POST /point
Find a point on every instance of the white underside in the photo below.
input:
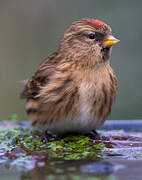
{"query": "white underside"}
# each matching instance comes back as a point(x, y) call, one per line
point(74, 125)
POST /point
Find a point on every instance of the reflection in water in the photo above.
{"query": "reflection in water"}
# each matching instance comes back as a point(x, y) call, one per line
point(98, 168)
point(72, 170)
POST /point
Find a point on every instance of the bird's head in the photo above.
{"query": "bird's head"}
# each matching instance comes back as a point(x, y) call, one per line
point(88, 39)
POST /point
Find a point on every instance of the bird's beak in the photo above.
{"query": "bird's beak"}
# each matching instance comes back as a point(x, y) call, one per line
point(110, 40)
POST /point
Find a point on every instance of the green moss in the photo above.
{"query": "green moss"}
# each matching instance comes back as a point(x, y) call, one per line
point(74, 147)
point(68, 148)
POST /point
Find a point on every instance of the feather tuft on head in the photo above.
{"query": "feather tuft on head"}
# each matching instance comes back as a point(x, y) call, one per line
point(97, 23)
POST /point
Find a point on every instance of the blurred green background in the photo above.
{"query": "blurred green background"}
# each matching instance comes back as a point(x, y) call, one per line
point(30, 31)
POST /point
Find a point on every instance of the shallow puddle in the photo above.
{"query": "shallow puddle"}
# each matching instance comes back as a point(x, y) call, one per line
point(110, 155)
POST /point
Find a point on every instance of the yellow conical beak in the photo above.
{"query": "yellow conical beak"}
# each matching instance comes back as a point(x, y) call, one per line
point(110, 40)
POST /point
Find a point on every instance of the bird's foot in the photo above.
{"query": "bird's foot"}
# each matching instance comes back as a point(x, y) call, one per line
point(93, 134)
point(49, 136)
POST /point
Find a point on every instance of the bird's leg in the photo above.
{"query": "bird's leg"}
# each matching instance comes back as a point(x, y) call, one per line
point(94, 132)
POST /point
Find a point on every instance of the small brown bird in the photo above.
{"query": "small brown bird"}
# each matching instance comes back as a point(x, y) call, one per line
point(74, 88)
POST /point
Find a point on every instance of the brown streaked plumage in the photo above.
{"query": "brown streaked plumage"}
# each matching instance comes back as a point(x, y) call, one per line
point(74, 88)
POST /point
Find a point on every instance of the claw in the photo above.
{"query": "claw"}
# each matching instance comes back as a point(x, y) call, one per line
point(48, 136)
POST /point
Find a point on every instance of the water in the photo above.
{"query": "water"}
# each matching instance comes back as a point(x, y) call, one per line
point(120, 159)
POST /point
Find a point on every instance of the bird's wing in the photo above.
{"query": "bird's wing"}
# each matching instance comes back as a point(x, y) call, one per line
point(40, 78)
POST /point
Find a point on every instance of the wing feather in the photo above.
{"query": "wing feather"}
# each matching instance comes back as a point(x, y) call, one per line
point(40, 78)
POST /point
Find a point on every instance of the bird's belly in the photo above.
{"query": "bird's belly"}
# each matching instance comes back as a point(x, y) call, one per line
point(85, 119)
point(77, 124)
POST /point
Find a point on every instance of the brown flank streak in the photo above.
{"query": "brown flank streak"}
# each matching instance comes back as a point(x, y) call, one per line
point(111, 77)
point(50, 121)
point(101, 109)
point(71, 101)
point(104, 93)
point(34, 122)
point(94, 97)
point(105, 99)
point(111, 96)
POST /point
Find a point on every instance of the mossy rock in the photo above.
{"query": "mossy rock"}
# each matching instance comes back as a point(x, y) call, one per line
point(68, 148)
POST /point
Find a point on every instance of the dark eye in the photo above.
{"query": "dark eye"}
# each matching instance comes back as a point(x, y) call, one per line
point(91, 36)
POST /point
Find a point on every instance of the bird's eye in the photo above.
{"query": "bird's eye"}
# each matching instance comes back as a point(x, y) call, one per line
point(91, 36)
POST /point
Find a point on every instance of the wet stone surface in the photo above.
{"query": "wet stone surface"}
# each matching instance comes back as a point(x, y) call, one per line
point(109, 155)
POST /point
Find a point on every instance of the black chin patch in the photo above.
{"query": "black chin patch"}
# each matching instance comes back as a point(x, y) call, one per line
point(105, 49)
point(105, 52)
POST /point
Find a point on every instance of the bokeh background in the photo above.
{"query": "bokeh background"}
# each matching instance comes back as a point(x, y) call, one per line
point(30, 31)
